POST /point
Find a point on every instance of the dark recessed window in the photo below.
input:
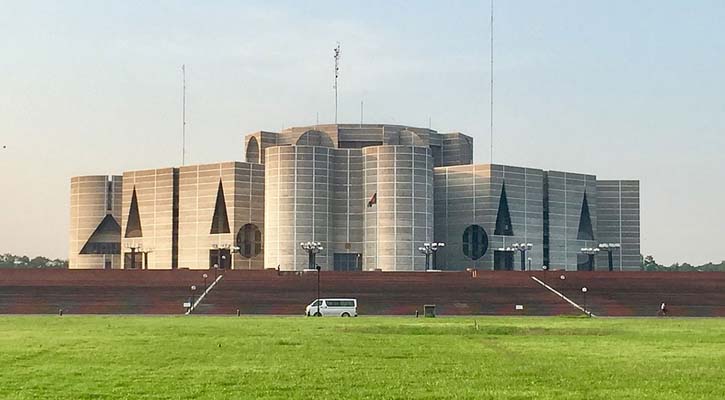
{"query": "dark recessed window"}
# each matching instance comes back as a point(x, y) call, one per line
point(106, 239)
point(109, 196)
point(133, 226)
point(585, 222)
point(347, 262)
point(249, 241)
point(503, 260)
point(253, 151)
point(475, 242)
point(220, 222)
point(503, 218)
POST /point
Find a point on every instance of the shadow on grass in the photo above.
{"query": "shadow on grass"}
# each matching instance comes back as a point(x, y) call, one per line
point(477, 329)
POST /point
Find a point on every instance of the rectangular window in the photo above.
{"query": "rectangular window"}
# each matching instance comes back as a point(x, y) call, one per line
point(347, 262)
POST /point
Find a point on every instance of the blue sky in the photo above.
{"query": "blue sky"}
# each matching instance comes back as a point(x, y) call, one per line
point(619, 89)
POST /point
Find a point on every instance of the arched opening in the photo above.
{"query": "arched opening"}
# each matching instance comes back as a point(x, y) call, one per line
point(253, 151)
point(249, 241)
point(410, 138)
point(314, 138)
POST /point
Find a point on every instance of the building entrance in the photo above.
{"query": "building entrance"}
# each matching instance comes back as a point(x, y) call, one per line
point(132, 260)
point(221, 258)
point(347, 262)
point(503, 260)
point(585, 262)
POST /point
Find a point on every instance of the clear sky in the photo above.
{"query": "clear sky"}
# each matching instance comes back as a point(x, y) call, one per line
point(619, 89)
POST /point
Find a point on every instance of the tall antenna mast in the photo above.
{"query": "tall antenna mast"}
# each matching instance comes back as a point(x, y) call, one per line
point(361, 113)
point(337, 75)
point(183, 115)
point(491, 111)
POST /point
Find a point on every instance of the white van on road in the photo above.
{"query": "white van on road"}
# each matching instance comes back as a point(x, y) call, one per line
point(332, 308)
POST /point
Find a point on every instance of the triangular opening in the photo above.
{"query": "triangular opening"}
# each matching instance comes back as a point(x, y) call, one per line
point(106, 239)
point(133, 225)
point(503, 218)
point(585, 222)
point(220, 222)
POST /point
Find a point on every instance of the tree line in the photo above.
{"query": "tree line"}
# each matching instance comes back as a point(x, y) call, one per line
point(8, 260)
point(648, 263)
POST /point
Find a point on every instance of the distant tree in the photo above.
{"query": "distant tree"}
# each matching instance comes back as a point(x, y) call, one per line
point(39, 262)
point(8, 260)
point(649, 264)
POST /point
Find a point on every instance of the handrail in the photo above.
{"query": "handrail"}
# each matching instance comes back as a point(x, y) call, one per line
point(201, 297)
point(589, 313)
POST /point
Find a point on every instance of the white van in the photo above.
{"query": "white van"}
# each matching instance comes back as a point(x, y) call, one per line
point(333, 307)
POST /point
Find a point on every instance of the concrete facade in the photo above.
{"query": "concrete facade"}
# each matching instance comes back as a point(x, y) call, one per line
point(151, 248)
point(446, 148)
point(95, 214)
point(166, 217)
point(470, 195)
point(401, 179)
point(371, 195)
point(565, 199)
point(200, 187)
point(297, 203)
point(618, 222)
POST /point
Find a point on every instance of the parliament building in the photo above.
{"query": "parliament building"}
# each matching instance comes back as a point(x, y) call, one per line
point(371, 195)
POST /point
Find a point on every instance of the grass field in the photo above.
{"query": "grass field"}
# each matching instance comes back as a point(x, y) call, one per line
point(75, 357)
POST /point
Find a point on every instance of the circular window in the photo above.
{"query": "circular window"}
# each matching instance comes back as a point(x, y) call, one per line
point(475, 242)
point(249, 241)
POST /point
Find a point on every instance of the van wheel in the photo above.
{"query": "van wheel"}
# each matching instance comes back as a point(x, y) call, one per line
point(317, 314)
point(345, 315)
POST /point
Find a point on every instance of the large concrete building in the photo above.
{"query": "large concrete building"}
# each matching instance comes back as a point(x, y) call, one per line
point(370, 194)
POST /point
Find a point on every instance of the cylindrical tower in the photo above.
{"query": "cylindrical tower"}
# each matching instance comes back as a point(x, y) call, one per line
point(399, 214)
point(297, 205)
point(95, 232)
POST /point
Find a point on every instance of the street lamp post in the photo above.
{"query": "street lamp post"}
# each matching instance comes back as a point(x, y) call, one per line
point(205, 276)
point(590, 252)
point(430, 249)
point(318, 290)
point(145, 253)
point(312, 248)
point(218, 255)
point(609, 247)
point(232, 249)
point(522, 248)
point(585, 290)
point(193, 289)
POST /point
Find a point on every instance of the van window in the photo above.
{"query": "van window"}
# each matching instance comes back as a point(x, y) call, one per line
point(340, 303)
point(316, 303)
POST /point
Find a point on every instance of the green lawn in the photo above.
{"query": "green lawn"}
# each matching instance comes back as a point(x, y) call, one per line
point(73, 357)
